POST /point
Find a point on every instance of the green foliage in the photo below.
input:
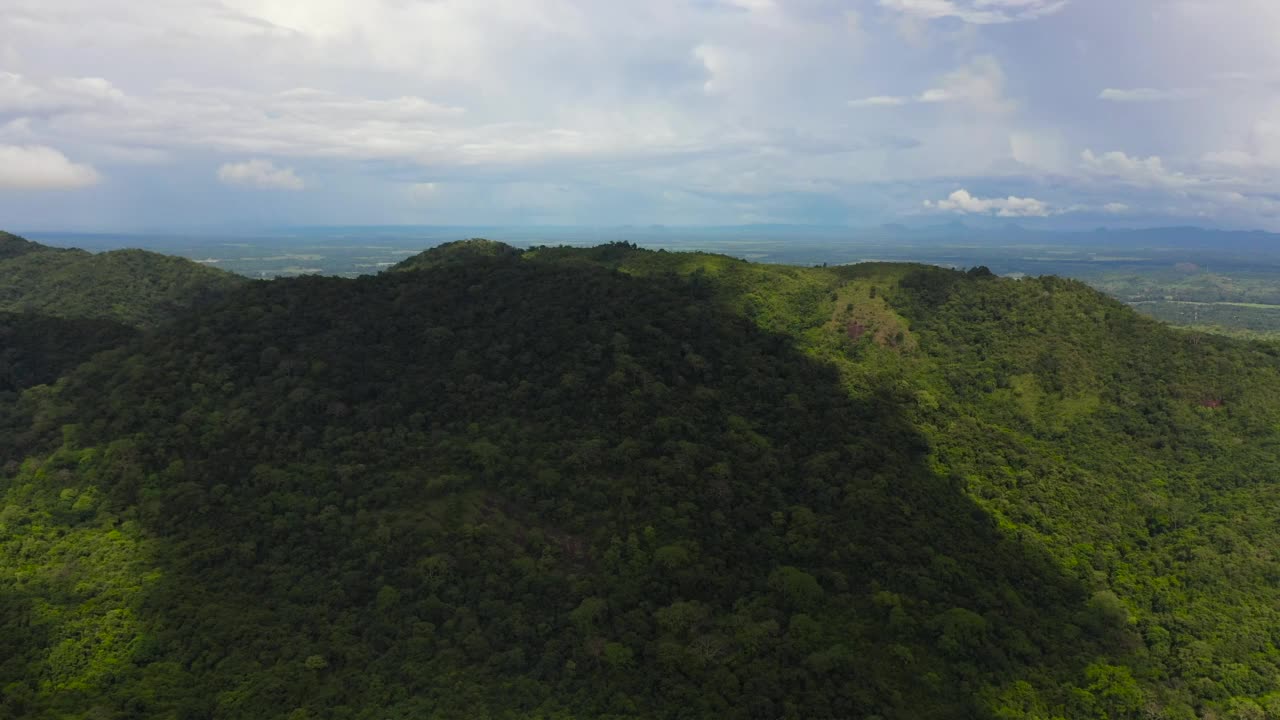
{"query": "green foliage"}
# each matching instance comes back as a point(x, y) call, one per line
point(133, 287)
point(617, 483)
point(12, 246)
point(457, 253)
point(35, 350)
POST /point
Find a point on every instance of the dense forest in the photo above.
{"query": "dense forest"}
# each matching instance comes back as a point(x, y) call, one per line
point(37, 350)
point(617, 483)
point(134, 287)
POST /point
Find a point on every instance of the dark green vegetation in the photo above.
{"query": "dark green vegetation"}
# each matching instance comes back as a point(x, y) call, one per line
point(36, 350)
point(456, 254)
point(133, 287)
point(12, 246)
point(630, 484)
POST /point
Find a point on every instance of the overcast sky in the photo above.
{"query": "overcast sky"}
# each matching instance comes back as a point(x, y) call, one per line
point(127, 115)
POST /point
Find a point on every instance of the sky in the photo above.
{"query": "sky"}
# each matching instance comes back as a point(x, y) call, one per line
point(118, 115)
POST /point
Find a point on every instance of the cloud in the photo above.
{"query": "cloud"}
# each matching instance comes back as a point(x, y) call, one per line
point(36, 167)
point(978, 12)
point(1261, 148)
point(1144, 95)
point(1144, 172)
point(962, 202)
point(19, 94)
point(261, 174)
point(979, 84)
point(129, 155)
point(722, 103)
point(716, 62)
point(880, 101)
point(1040, 149)
point(1236, 159)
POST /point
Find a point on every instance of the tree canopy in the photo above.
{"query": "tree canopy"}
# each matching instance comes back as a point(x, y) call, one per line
point(608, 482)
point(134, 287)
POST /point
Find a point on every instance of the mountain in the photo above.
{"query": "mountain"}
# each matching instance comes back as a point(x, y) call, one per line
point(12, 246)
point(607, 482)
point(133, 287)
point(457, 253)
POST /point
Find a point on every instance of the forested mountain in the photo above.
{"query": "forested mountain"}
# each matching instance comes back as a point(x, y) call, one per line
point(12, 246)
point(134, 287)
point(582, 483)
point(35, 350)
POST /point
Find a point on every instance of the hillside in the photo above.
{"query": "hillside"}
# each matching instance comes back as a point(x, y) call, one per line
point(37, 350)
point(607, 482)
point(12, 246)
point(459, 252)
point(133, 287)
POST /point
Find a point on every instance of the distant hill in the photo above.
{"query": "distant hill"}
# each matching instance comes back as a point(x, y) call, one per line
point(615, 483)
point(134, 287)
point(12, 246)
point(460, 252)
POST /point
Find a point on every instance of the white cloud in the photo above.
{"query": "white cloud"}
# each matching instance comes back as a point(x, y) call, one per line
point(261, 174)
point(35, 167)
point(880, 101)
point(962, 202)
point(89, 89)
point(1040, 149)
point(592, 92)
point(1144, 95)
point(16, 131)
point(1145, 172)
point(715, 101)
point(1261, 147)
point(717, 63)
point(1236, 159)
point(978, 12)
point(979, 84)
point(19, 94)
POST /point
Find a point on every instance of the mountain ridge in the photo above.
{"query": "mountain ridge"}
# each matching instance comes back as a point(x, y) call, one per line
point(136, 287)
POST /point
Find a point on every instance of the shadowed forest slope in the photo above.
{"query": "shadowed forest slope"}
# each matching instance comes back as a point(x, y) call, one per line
point(36, 350)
